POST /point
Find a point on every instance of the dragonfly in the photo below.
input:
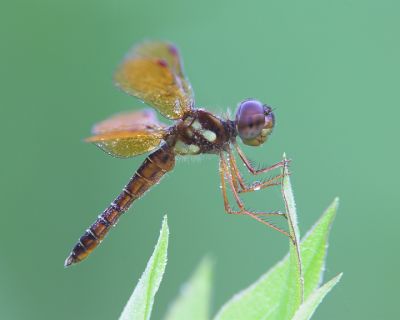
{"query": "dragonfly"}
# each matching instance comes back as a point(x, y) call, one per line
point(153, 72)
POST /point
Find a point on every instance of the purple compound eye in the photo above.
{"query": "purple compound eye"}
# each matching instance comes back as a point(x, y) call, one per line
point(250, 119)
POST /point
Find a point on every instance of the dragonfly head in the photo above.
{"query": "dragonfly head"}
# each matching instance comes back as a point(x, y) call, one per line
point(254, 122)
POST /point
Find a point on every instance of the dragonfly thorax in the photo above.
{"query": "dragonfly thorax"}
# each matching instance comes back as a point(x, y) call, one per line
point(201, 132)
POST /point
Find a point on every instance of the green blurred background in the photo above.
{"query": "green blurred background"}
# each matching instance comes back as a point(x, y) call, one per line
point(331, 68)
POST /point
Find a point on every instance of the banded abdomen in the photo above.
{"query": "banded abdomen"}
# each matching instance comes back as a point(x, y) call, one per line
point(149, 173)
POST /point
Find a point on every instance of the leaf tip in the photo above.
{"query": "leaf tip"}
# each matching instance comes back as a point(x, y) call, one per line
point(164, 225)
point(332, 208)
point(335, 202)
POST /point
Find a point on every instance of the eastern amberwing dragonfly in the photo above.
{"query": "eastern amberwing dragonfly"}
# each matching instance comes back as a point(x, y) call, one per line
point(153, 72)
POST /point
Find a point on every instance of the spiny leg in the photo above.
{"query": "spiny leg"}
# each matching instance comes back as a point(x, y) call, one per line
point(250, 167)
point(222, 174)
point(274, 181)
point(226, 174)
point(234, 171)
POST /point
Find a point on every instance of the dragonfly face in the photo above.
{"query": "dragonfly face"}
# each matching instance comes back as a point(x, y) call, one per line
point(153, 73)
point(254, 122)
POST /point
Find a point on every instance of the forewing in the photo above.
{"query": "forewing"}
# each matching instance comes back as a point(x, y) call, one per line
point(128, 134)
point(153, 72)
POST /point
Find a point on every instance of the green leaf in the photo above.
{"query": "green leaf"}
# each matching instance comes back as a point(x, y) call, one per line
point(194, 299)
point(262, 299)
point(292, 296)
point(307, 309)
point(314, 248)
point(259, 300)
point(140, 303)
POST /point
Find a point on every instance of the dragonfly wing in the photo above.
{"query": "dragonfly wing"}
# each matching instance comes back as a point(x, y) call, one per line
point(131, 120)
point(128, 134)
point(153, 72)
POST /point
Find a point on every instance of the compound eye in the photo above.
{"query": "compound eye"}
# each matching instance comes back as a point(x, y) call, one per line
point(250, 119)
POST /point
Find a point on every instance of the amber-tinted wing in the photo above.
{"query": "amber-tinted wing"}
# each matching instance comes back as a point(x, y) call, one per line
point(128, 134)
point(153, 72)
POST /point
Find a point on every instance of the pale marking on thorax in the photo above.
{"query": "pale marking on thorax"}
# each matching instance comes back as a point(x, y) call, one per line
point(196, 125)
point(189, 132)
point(207, 134)
point(183, 148)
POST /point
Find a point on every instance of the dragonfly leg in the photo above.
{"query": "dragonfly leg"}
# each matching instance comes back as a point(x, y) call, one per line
point(251, 168)
point(237, 176)
point(225, 174)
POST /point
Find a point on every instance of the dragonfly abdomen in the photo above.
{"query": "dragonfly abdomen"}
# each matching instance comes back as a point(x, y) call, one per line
point(149, 173)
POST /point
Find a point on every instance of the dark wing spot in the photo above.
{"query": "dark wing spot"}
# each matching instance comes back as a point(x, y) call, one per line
point(162, 63)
